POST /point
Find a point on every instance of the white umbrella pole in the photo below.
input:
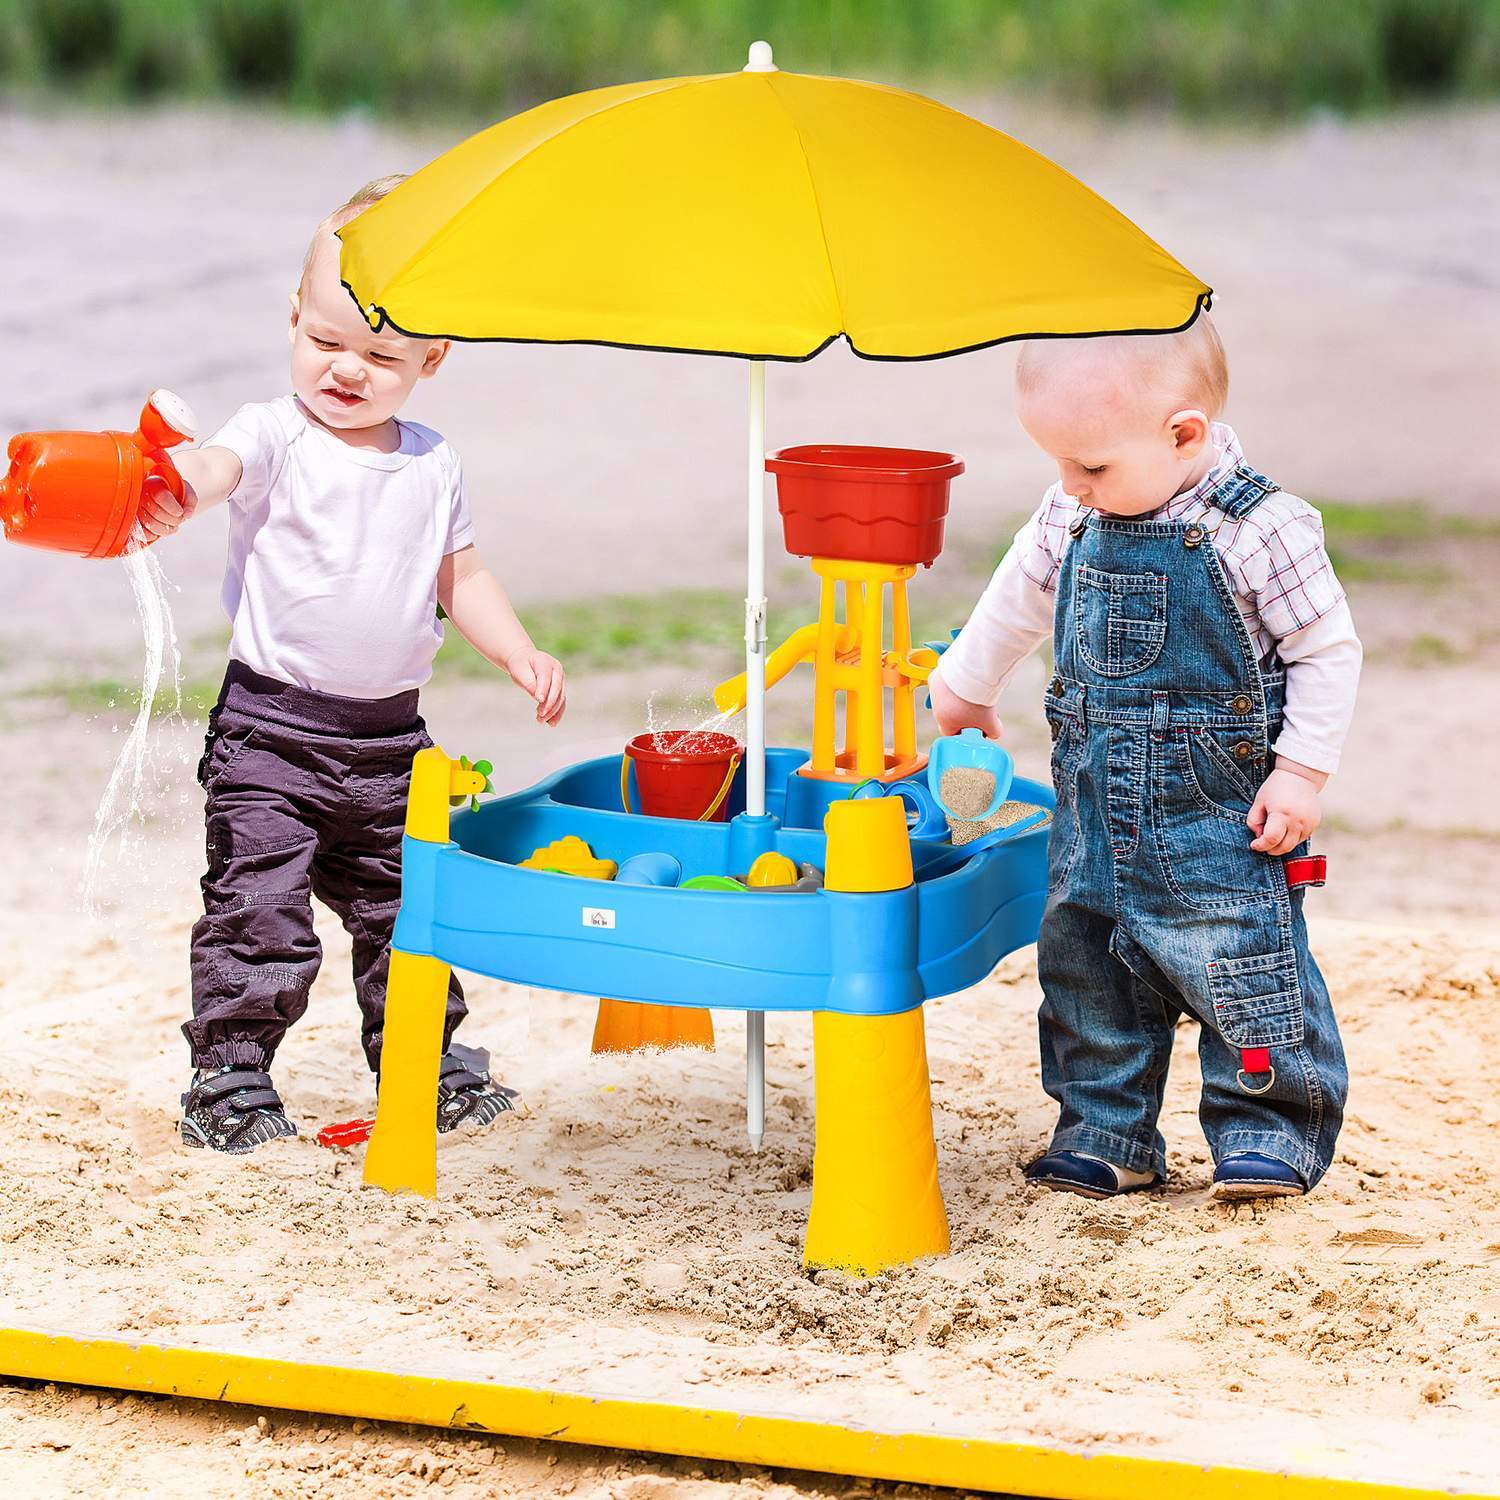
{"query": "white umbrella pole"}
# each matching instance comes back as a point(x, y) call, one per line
point(755, 711)
point(755, 597)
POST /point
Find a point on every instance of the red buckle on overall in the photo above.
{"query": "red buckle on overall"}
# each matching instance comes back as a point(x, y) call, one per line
point(1305, 870)
point(1255, 1059)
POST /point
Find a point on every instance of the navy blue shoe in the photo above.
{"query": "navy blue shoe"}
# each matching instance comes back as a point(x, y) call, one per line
point(1250, 1175)
point(1072, 1172)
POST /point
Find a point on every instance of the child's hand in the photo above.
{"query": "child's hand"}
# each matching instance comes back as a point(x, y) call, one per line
point(1286, 809)
point(161, 513)
point(954, 713)
point(542, 676)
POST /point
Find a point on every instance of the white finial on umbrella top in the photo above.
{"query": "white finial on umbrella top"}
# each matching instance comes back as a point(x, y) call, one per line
point(760, 59)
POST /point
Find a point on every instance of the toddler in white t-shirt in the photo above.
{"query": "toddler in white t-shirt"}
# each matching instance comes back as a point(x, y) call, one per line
point(348, 527)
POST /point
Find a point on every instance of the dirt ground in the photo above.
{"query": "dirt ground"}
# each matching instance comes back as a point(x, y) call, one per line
point(620, 1237)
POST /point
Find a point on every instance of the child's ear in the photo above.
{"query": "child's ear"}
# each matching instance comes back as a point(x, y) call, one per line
point(1189, 431)
point(437, 352)
point(291, 331)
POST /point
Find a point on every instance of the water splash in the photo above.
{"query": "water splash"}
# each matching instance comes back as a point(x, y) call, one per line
point(689, 740)
point(123, 802)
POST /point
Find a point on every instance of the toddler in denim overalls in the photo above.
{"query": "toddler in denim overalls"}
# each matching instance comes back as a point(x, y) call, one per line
point(1206, 666)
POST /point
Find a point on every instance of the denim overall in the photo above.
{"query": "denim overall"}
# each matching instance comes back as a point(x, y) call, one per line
point(1162, 718)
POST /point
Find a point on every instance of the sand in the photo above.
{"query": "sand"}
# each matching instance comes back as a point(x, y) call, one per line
point(620, 1237)
point(966, 792)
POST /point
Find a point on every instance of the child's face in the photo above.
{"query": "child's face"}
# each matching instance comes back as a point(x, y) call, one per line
point(346, 375)
point(1115, 450)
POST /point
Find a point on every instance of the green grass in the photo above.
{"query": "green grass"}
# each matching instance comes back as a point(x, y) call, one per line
point(609, 632)
point(616, 632)
point(704, 627)
point(1399, 521)
point(1404, 828)
point(484, 58)
point(593, 634)
point(97, 695)
point(1428, 650)
point(1354, 567)
point(1396, 543)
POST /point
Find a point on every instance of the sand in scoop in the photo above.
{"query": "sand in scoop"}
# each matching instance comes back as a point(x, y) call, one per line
point(966, 792)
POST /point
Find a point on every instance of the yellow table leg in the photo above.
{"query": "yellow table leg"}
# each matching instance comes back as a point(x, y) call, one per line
point(402, 1155)
point(876, 1200)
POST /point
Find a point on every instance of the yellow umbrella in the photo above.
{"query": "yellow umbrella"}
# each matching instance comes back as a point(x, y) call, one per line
point(761, 214)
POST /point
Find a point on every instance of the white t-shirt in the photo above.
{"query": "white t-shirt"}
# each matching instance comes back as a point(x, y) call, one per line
point(331, 581)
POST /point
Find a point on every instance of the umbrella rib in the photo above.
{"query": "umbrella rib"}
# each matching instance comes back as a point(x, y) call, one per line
point(450, 224)
point(1203, 300)
point(812, 187)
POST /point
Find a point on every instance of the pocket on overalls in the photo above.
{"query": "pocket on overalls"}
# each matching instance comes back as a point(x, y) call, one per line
point(1067, 753)
point(1120, 619)
point(1201, 802)
point(1221, 768)
point(1257, 1000)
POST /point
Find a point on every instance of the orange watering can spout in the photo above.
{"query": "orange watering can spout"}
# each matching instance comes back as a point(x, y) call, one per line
point(166, 421)
point(81, 492)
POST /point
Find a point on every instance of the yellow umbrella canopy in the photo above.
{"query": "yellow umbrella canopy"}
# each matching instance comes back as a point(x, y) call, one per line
point(761, 214)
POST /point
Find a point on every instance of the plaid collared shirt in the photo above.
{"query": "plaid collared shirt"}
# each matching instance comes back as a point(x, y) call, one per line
point(1275, 558)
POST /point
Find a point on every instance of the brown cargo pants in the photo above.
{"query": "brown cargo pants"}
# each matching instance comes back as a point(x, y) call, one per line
point(306, 797)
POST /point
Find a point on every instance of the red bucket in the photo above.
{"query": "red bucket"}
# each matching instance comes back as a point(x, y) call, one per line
point(681, 773)
point(881, 505)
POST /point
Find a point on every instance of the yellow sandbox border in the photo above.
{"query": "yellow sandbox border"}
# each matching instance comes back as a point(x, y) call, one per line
point(657, 1427)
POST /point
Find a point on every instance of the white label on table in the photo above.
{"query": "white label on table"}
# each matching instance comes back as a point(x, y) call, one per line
point(598, 916)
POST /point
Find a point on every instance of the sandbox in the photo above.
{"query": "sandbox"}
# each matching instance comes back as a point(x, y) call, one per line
point(622, 1240)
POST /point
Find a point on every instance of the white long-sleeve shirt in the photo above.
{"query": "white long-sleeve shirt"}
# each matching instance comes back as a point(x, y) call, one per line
point(1279, 572)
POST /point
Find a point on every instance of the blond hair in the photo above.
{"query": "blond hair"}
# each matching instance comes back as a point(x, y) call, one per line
point(1185, 369)
point(372, 192)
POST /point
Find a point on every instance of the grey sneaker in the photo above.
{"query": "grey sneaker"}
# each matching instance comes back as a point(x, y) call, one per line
point(467, 1095)
point(233, 1110)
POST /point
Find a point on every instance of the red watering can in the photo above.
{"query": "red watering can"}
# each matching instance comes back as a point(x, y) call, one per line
point(81, 492)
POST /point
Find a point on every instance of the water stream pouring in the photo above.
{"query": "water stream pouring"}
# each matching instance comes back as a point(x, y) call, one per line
point(81, 493)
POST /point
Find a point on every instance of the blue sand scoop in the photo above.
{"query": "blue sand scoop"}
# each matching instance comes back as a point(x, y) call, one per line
point(650, 869)
point(969, 749)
